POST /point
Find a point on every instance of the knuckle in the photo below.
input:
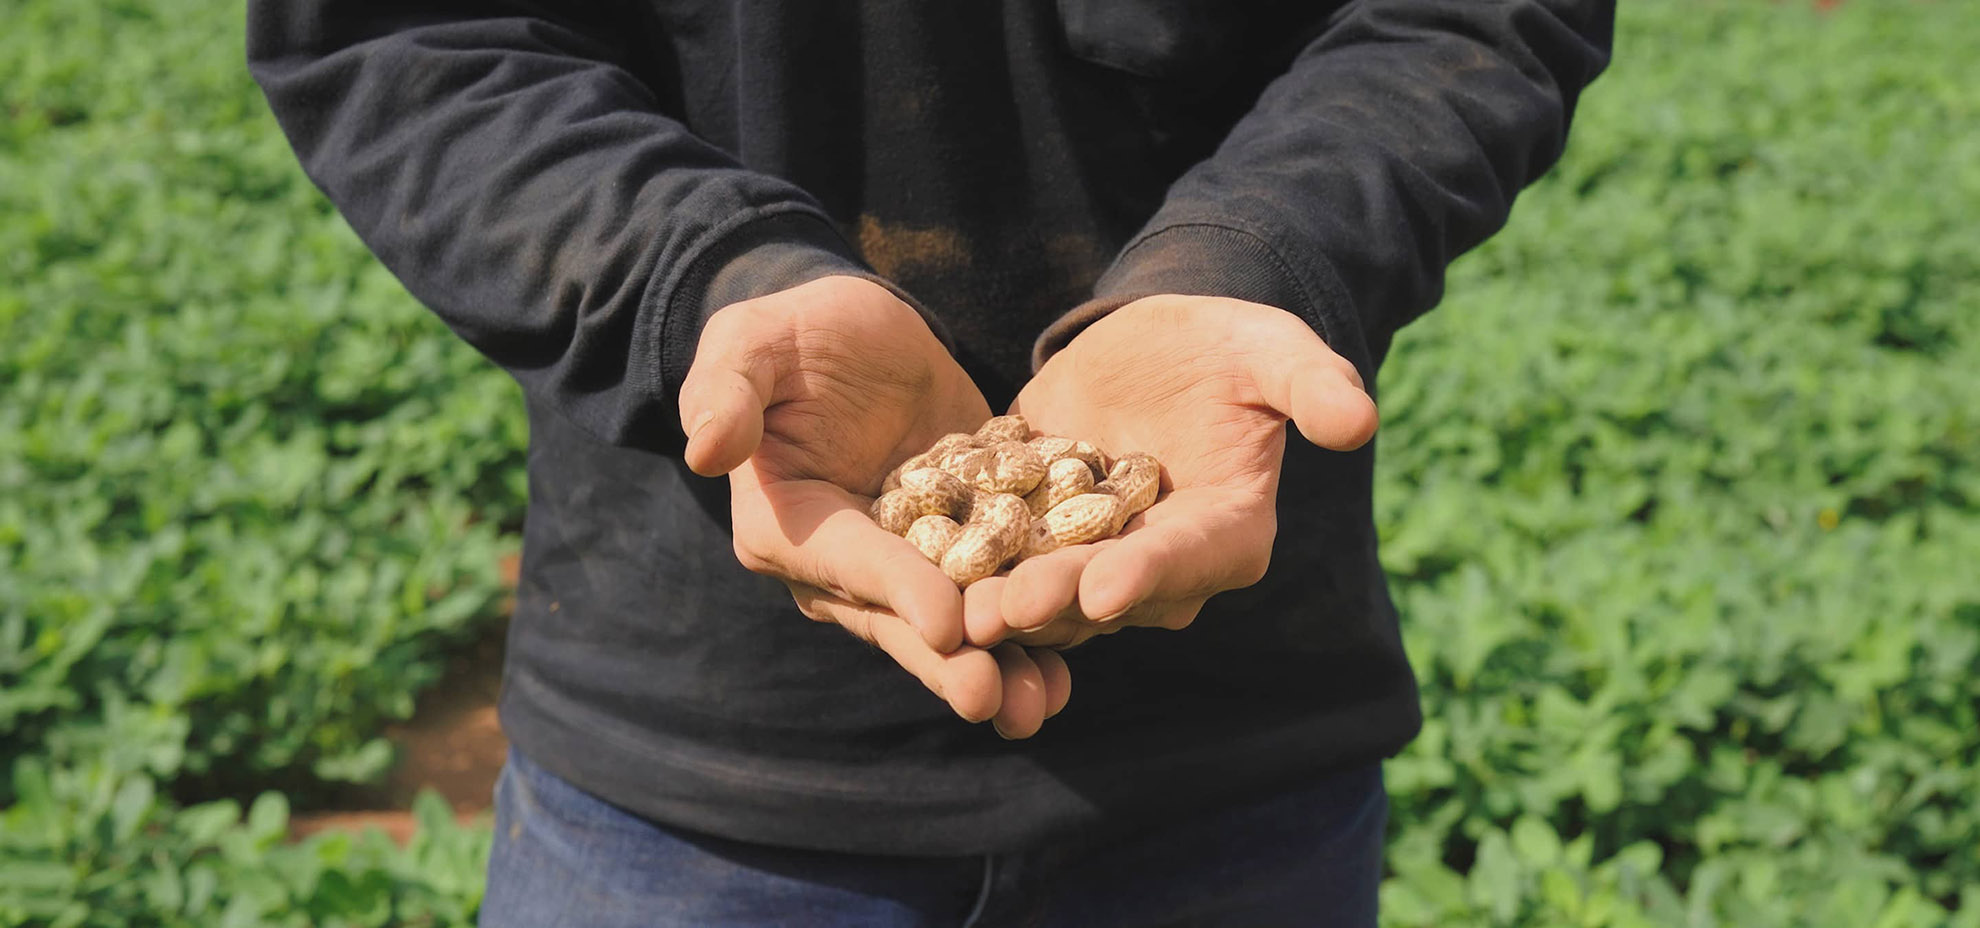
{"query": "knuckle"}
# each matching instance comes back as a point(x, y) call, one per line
point(812, 609)
point(1252, 568)
point(725, 324)
point(754, 559)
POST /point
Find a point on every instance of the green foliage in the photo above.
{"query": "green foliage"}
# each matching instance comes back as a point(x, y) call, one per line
point(1680, 492)
point(1681, 495)
point(250, 492)
point(88, 846)
point(248, 487)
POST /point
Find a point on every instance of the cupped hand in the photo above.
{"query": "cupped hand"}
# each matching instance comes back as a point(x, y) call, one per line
point(1205, 384)
point(805, 398)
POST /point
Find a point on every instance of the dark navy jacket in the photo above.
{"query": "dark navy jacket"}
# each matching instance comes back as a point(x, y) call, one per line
point(574, 186)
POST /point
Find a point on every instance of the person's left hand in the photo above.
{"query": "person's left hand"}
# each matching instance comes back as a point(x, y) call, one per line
point(805, 398)
point(1206, 385)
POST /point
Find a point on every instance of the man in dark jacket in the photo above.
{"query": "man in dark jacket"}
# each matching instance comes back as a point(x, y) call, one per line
point(793, 244)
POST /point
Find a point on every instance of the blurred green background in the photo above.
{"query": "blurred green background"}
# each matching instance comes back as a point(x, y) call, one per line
point(1680, 493)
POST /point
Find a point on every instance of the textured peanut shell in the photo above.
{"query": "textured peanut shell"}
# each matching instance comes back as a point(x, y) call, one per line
point(1076, 521)
point(996, 532)
point(893, 480)
point(1136, 478)
point(937, 455)
point(933, 536)
point(1065, 478)
point(1005, 467)
point(1053, 448)
point(1004, 428)
point(895, 512)
point(937, 492)
point(948, 448)
point(922, 492)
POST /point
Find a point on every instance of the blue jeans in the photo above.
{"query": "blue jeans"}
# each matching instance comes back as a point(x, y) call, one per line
point(563, 859)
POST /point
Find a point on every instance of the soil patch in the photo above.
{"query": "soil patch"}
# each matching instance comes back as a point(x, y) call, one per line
point(453, 745)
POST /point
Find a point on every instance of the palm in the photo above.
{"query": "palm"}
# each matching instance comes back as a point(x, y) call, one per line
point(1210, 436)
point(1206, 386)
point(843, 416)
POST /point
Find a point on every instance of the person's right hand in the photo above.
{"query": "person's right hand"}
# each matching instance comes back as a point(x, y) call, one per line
point(806, 398)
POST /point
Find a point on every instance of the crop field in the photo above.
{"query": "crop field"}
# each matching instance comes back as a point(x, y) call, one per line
point(1680, 495)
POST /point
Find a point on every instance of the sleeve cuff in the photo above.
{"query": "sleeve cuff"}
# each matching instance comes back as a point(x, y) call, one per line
point(1203, 259)
point(759, 256)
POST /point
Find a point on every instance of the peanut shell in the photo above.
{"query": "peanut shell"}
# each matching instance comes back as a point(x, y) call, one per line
point(1136, 478)
point(1004, 428)
point(937, 492)
point(1053, 448)
point(949, 447)
point(922, 492)
point(893, 481)
point(1065, 478)
point(895, 511)
point(1005, 467)
point(995, 533)
point(1076, 521)
point(933, 536)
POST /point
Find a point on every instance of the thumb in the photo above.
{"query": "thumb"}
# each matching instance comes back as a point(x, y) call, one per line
point(722, 403)
point(1320, 391)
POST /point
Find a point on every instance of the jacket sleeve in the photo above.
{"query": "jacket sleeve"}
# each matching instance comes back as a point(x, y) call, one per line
point(1394, 142)
point(504, 161)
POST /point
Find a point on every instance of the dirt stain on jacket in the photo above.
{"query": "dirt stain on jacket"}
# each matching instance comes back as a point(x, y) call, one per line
point(902, 250)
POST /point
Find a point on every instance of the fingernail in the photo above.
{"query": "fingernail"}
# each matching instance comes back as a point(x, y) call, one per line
point(701, 422)
point(1000, 731)
point(1111, 616)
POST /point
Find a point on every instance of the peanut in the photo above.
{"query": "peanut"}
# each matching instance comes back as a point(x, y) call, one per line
point(995, 533)
point(948, 447)
point(1064, 479)
point(894, 511)
point(893, 481)
point(925, 491)
point(938, 492)
point(1076, 521)
point(1004, 428)
point(974, 503)
point(1005, 467)
point(937, 455)
point(1053, 448)
point(1136, 478)
point(933, 536)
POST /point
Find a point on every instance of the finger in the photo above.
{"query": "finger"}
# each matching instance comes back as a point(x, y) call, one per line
point(1065, 633)
point(722, 413)
point(723, 398)
point(1024, 696)
point(1045, 588)
point(1151, 613)
point(1058, 679)
point(1171, 616)
point(970, 680)
point(1319, 391)
point(1193, 544)
point(983, 620)
point(813, 532)
point(1332, 413)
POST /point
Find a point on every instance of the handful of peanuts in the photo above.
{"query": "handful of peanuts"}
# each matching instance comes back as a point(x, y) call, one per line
point(977, 503)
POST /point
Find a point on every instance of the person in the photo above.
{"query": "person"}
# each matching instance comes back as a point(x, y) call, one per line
point(744, 257)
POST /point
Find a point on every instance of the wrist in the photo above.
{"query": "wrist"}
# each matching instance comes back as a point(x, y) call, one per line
point(1161, 319)
point(756, 257)
point(1199, 259)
